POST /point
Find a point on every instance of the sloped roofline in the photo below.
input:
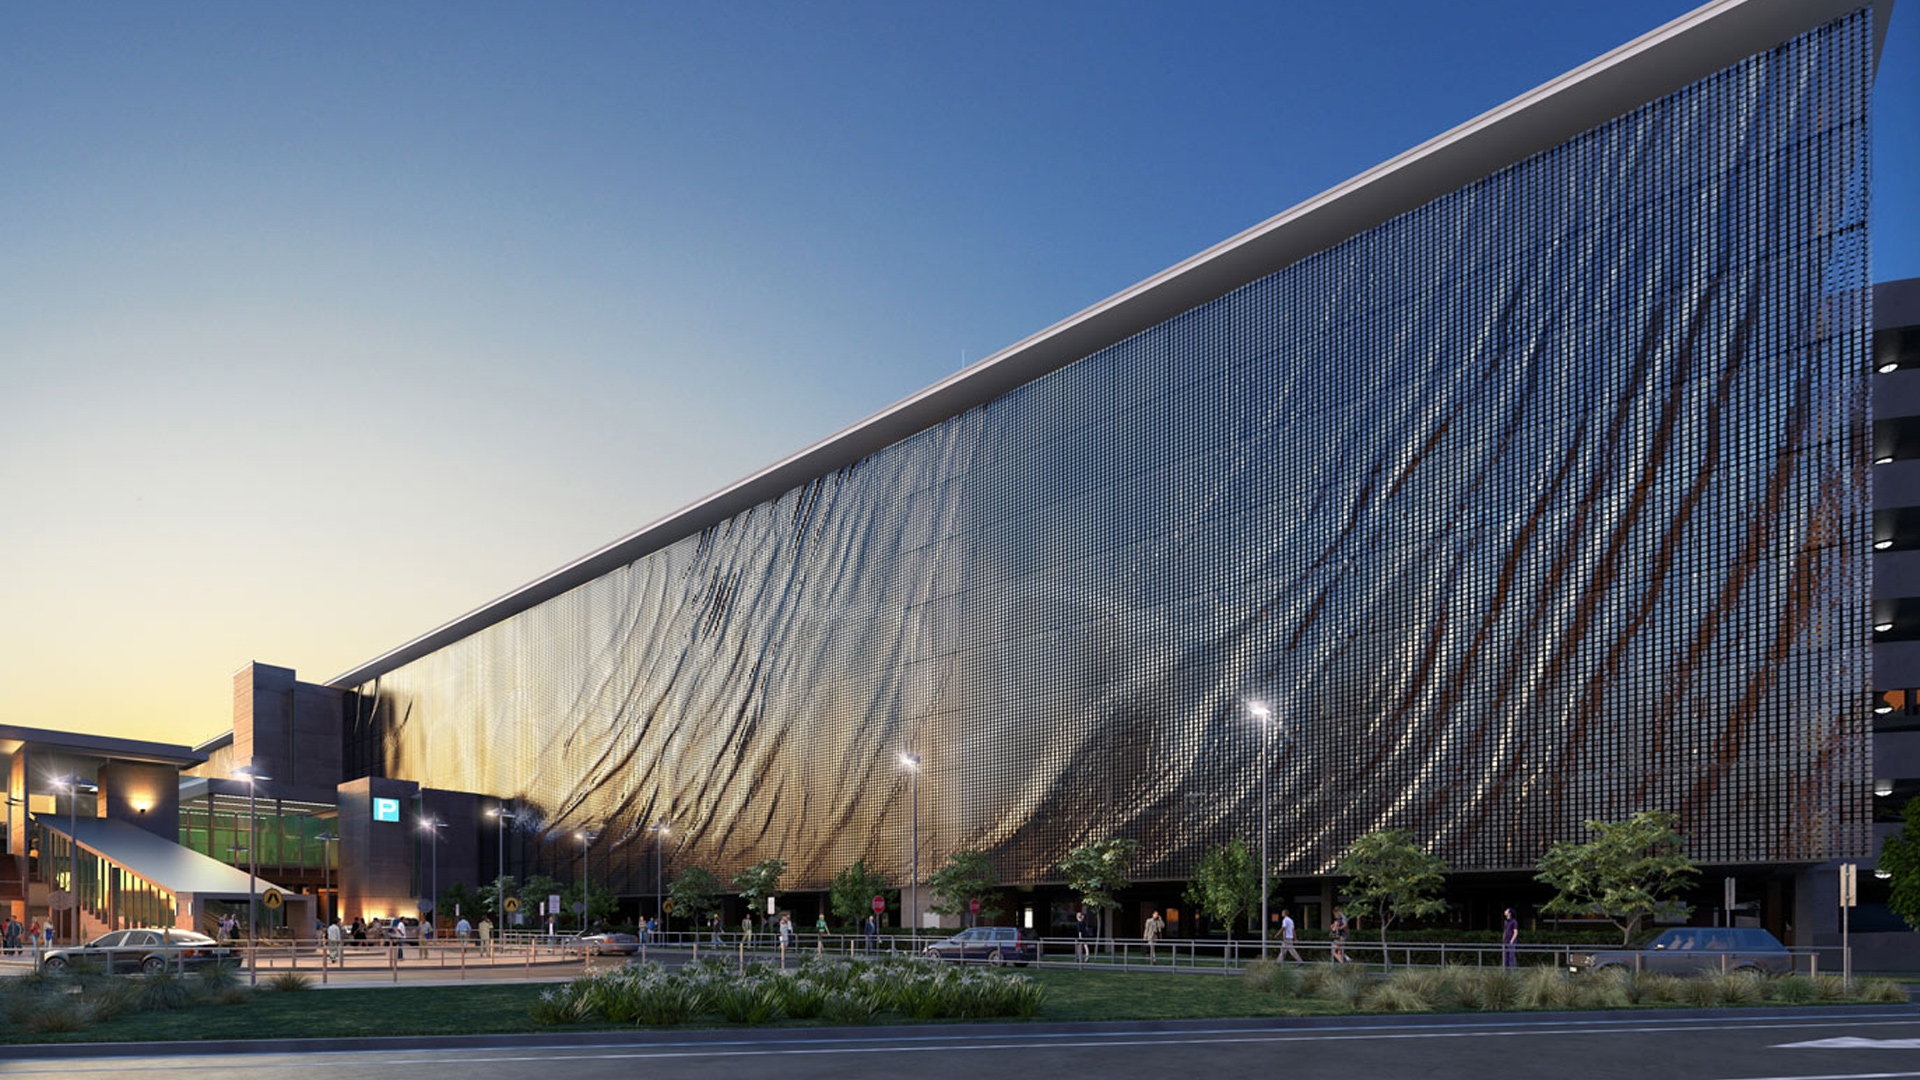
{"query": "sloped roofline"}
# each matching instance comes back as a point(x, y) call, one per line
point(1683, 51)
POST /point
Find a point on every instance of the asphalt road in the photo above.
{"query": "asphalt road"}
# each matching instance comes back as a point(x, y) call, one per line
point(1808, 1045)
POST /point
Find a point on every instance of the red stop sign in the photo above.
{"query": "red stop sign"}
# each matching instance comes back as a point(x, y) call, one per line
point(879, 904)
point(973, 907)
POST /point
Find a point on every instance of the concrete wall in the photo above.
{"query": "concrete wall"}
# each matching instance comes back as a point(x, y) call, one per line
point(288, 729)
point(142, 794)
point(376, 857)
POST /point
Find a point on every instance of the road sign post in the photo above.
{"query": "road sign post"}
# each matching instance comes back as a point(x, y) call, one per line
point(1849, 896)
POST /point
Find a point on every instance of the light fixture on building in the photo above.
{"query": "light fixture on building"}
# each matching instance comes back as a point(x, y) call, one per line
point(1883, 874)
point(1882, 627)
point(1883, 788)
point(1882, 545)
point(1886, 367)
point(1882, 709)
point(1884, 459)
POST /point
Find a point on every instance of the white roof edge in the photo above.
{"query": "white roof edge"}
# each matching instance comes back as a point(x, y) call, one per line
point(1659, 62)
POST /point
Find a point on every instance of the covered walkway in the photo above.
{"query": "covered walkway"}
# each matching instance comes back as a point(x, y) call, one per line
point(126, 876)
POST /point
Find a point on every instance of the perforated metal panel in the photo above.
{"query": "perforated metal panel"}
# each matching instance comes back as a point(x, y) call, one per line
point(1542, 502)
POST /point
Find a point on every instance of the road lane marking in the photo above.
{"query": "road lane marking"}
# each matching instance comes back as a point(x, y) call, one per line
point(880, 1044)
point(1852, 1042)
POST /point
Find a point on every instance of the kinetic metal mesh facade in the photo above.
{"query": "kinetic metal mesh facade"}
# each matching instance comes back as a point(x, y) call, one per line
point(1544, 501)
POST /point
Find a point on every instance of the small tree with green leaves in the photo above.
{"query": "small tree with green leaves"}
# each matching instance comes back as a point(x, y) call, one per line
point(1099, 870)
point(1226, 884)
point(1628, 871)
point(1900, 857)
point(968, 875)
point(759, 881)
point(462, 901)
point(602, 905)
point(498, 889)
point(852, 892)
point(695, 894)
point(1389, 877)
point(533, 892)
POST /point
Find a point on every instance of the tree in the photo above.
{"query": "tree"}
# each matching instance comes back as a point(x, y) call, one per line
point(1226, 884)
point(490, 898)
point(1097, 871)
point(461, 900)
point(851, 895)
point(1900, 857)
point(968, 875)
point(759, 881)
point(1628, 871)
point(533, 892)
point(695, 894)
point(1389, 877)
point(602, 905)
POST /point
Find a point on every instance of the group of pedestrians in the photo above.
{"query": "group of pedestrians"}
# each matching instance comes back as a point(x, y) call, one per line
point(1337, 931)
point(17, 937)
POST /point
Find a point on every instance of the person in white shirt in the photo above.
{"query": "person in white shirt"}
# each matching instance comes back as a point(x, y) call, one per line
point(1286, 936)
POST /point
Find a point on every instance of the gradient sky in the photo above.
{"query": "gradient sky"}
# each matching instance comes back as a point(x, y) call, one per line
point(321, 324)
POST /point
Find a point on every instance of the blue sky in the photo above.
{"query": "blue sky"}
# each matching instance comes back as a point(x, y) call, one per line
point(322, 324)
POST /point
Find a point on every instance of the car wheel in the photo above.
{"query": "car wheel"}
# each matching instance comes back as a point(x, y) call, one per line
point(997, 958)
point(154, 965)
point(56, 963)
point(931, 953)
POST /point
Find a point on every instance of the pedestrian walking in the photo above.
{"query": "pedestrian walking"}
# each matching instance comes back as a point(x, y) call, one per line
point(486, 935)
point(746, 929)
point(713, 929)
point(1509, 937)
point(1286, 937)
point(1080, 950)
point(786, 931)
point(334, 953)
point(873, 934)
point(1339, 932)
point(462, 930)
point(1155, 924)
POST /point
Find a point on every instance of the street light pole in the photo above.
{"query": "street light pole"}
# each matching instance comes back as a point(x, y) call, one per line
point(432, 827)
point(912, 762)
point(252, 776)
point(587, 837)
point(1266, 745)
point(659, 829)
point(326, 872)
point(500, 881)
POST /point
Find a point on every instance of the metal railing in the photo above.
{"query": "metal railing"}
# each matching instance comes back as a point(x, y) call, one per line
point(559, 955)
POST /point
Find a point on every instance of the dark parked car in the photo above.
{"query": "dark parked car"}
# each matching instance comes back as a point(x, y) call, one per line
point(987, 944)
point(604, 944)
point(150, 951)
point(1684, 950)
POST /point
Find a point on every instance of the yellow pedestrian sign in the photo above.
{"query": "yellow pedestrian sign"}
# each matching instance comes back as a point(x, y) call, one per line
point(512, 904)
point(272, 899)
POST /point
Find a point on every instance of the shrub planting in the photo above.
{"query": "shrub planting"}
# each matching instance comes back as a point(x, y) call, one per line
point(837, 991)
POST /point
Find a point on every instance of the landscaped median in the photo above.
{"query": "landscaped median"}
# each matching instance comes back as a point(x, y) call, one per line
point(96, 1008)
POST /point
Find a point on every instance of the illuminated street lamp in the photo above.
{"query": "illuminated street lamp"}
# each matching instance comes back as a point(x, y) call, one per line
point(73, 786)
point(327, 840)
point(432, 827)
point(587, 837)
point(253, 776)
point(500, 882)
point(659, 830)
point(912, 764)
point(1265, 716)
